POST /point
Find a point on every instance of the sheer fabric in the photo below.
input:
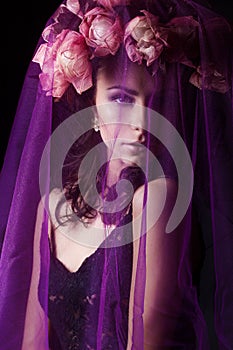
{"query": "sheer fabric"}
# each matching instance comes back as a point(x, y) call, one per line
point(78, 293)
point(202, 319)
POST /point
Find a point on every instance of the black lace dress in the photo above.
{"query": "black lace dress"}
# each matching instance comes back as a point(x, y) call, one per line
point(88, 309)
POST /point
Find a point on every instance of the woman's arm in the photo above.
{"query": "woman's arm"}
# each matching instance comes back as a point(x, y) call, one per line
point(36, 321)
point(162, 298)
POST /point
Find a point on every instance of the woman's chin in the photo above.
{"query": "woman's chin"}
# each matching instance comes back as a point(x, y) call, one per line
point(132, 161)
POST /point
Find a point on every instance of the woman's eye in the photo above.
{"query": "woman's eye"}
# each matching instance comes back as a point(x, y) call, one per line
point(123, 98)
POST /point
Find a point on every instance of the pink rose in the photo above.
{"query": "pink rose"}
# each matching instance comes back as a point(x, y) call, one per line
point(183, 40)
point(65, 62)
point(102, 30)
point(209, 79)
point(66, 17)
point(111, 3)
point(73, 6)
point(144, 38)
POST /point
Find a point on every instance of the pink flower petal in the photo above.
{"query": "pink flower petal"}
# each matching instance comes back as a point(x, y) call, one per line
point(111, 3)
point(102, 30)
point(73, 6)
point(144, 34)
point(210, 79)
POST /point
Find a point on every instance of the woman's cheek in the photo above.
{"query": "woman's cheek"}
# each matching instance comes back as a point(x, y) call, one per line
point(107, 132)
point(112, 133)
point(111, 112)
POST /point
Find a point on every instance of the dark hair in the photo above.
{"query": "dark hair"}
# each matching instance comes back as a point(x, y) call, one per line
point(78, 183)
point(76, 178)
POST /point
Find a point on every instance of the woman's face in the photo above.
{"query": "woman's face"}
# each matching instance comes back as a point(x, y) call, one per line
point(120, 98)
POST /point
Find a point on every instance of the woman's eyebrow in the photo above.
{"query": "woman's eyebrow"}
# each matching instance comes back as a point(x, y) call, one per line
point(129, 91)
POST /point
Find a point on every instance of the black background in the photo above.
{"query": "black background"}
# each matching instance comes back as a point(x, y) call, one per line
point(20, 35)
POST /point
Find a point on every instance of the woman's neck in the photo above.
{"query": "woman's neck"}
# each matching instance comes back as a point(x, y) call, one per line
point(113, 171)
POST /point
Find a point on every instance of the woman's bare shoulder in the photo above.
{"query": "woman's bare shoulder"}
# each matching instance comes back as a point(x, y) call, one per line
point(51, 202)
point(163, 189)
point(52, 199)
point(55, 196)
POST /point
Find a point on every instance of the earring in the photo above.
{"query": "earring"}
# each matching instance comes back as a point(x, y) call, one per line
point(96, 124)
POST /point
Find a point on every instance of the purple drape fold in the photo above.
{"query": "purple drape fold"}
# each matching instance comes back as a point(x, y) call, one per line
point(204, 119)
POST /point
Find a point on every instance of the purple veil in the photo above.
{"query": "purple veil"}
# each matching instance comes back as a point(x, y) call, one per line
point(193, 91)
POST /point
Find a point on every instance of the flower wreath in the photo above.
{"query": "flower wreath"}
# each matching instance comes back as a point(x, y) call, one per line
point(75, 38)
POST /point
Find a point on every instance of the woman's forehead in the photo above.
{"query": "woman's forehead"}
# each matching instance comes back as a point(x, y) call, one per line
point(132, 75)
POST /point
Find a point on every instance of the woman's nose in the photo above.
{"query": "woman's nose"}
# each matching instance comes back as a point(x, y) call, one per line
point(138, 121)
point(139, 133)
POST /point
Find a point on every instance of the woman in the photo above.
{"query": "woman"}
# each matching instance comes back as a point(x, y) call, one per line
point(103, 273)
point(89, 264)
point(79, 265)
